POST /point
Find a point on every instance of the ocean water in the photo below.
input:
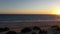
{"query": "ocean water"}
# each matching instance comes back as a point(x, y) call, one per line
point(27, 18)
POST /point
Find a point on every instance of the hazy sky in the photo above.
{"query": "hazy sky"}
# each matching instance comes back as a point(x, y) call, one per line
point(28, 6)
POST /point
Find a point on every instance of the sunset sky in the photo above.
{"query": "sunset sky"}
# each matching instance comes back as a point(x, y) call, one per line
point(28, 6)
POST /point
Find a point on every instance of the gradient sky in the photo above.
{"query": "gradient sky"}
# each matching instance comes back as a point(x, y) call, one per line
point(28, 6)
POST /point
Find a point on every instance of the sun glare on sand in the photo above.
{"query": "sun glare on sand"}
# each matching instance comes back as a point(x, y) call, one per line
point(57, 12)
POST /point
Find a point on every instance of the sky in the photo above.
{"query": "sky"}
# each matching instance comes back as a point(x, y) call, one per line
point(28, 6)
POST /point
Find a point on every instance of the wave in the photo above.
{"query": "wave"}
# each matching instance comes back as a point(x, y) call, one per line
point(26, 21)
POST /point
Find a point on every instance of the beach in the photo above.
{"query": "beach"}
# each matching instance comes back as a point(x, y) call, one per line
point(18, 26)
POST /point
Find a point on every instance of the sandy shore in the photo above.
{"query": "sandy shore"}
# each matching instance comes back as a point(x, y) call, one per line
point(18, 26)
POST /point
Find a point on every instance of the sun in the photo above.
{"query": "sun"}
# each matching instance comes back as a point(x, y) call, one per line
point(57, 12)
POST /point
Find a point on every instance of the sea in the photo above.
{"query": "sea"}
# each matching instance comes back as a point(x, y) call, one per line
point(27, 18)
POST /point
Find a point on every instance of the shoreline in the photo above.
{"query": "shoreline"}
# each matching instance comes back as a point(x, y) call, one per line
point(30, 21)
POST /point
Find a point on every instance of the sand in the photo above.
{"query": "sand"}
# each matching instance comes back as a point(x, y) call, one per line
point(18, 26)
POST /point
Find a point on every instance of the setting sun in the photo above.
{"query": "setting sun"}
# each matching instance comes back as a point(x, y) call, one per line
point(57, 12)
